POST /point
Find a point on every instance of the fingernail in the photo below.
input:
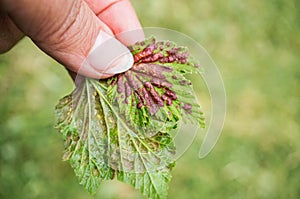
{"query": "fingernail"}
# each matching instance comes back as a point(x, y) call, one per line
point(108, 56)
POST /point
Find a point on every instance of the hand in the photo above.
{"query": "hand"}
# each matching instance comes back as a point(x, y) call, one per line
point(66, 29)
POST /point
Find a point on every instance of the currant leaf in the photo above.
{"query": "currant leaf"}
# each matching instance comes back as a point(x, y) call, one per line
point(122, 126)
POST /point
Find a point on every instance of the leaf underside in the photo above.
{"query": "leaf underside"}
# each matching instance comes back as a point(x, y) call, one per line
point(120, 127)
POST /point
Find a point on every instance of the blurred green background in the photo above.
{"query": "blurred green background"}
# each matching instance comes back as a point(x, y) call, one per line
point(256, 45)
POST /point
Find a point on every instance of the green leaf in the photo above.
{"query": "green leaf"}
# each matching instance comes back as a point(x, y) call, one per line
point(83, 125)
point(153, 185)
point(99, 143)
point(145, 159)
point(121, 127)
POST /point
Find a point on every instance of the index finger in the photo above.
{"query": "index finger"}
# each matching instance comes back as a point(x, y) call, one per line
point(120, 16)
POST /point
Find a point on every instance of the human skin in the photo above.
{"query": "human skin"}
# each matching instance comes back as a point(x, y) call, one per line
point(65, 29)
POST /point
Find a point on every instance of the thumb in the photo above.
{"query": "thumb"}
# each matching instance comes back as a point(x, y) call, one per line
point(68, 30)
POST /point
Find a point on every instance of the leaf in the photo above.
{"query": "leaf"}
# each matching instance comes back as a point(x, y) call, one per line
point(136, 157)
point(81, 121)
point(153, 185)
point(99, 143)
point(154, 94)
point(121, 127)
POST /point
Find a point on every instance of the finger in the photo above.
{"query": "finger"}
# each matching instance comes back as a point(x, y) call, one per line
point(120, 16)
point(66, 30)
point(9, 34)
